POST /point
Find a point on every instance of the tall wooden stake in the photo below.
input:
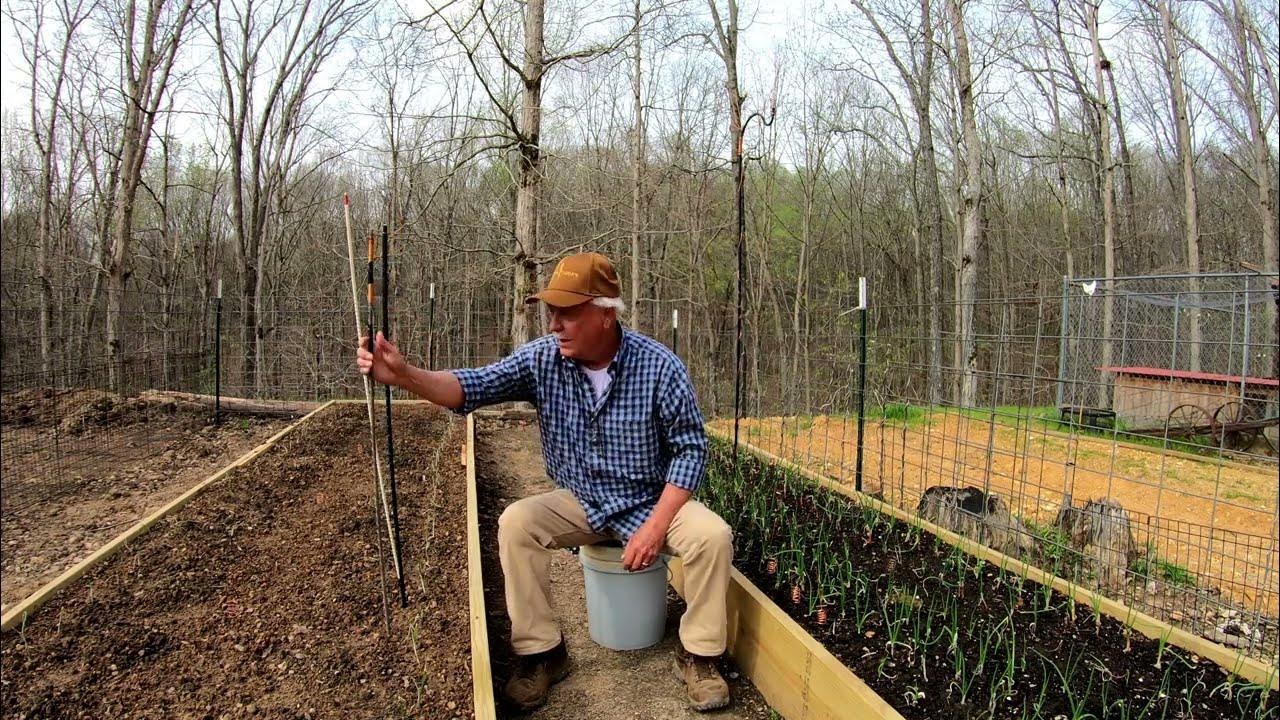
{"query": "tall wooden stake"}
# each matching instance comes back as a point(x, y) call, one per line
point(368, 396)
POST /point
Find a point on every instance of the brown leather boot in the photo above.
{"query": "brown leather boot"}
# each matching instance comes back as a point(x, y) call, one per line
point(534, 675)
point(707, 689)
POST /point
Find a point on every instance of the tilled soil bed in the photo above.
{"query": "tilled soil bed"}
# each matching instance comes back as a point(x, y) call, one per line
point(262, 597)
point(80, 466)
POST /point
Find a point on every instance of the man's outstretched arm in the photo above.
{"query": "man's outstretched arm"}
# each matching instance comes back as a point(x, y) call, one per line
point(386, 365)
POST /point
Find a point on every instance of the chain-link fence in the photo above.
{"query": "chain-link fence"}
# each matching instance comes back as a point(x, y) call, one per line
point(1188, 358)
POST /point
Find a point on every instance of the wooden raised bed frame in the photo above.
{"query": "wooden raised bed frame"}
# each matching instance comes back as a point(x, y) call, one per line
point(481, 670)
point(1234, 661)
point(799, 677)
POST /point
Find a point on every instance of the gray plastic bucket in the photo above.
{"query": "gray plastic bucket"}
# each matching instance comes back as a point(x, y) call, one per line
point(625, 610)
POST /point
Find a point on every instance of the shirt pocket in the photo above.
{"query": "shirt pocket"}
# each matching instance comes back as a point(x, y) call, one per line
point(631, 446)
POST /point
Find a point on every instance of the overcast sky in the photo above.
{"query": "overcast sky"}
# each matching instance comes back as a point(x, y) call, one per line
point(766, 21)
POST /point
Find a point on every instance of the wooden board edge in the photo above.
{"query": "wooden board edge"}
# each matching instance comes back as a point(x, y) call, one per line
point(20, 613)
point(1233, 661)
point(795, 673)
point(481, 669)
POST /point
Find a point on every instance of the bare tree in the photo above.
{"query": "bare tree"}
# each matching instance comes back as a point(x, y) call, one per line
point(44, 59)
point(971, 203)
point(1173, 75)
point(916, 72)
point(637, 167)
point(726, 45)
point(1106, 166)
point(1249, 69)
point(285, 43)
point(522, 133)
point(149, 48)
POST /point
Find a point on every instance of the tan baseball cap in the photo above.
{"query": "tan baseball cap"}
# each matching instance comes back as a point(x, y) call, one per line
point(578, 279)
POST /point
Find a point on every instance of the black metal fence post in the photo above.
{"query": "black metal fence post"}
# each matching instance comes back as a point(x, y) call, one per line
point(391, 447)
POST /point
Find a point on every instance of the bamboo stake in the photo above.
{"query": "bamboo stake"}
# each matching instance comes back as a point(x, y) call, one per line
point(368, 393)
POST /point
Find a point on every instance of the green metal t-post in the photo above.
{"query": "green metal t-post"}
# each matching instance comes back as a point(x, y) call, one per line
point(862, 377)
point(431, 331)
point(675, 332)
point(217, 356)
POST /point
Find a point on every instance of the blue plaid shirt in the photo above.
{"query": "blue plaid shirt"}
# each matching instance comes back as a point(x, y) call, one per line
point(617, 454)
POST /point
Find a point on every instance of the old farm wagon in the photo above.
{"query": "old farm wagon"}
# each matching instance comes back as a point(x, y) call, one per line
point(1230, 411)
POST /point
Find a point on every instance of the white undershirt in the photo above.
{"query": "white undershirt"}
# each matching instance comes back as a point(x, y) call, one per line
point(600, 380)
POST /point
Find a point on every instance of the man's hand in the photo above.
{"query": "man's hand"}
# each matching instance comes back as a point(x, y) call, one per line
point(385, 364)
point(643, 547)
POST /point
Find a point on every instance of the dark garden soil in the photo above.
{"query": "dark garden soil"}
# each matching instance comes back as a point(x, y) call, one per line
point(81, 466)
point(939, 634)
point(604, 684)
point(261, 597)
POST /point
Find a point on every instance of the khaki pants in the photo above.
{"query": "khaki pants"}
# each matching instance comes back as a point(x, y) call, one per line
point(530, 529)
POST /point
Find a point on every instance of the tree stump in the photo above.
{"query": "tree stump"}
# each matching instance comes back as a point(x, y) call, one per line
point(977, 515)
point(1101, 532)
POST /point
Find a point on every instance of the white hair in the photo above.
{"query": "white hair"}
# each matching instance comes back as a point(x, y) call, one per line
point(610, 303)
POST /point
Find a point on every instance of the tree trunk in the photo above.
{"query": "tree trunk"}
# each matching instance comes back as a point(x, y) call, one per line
point(1186, 162)
point(525, 318)
point(919, 83)
point(146, 76)
point(1107, 168)
point(1244, 35)
point(933, 232)
point(122, 235)
point(727, 36)
point(637, 178)
point(1126, 165)
point(971, 204)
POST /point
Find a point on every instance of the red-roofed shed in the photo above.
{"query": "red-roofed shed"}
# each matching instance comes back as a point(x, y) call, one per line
point(1143, 397)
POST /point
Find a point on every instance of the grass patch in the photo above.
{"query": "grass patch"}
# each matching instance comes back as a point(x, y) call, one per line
point(895, 413)
point(1156, 568)
point(1048, 417)
point(1056, 552)
point(1045, 415)
point(1241, 495)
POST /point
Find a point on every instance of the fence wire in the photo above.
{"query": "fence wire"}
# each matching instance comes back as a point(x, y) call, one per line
point(1055, 428)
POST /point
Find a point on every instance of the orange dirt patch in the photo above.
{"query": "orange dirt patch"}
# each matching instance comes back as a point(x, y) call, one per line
point(1216, 519)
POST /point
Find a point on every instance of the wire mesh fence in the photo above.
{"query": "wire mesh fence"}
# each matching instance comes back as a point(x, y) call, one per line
point(1052, 432)
point(1054, 410)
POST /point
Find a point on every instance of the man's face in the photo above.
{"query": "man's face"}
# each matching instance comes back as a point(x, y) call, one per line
point(583, 331)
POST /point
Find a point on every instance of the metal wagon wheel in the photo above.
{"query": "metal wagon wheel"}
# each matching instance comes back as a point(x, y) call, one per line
point(1227, 420)
point(1188, 421)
